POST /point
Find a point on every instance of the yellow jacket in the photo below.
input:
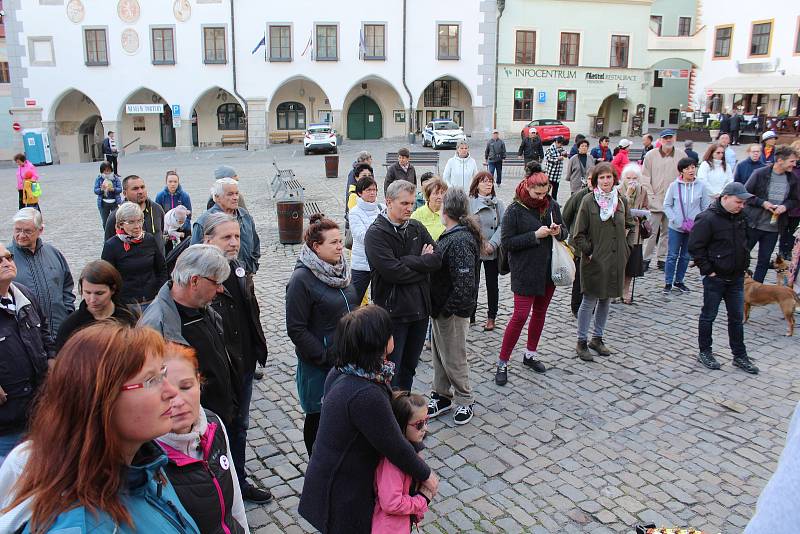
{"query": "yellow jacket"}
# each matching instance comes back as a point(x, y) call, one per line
point(431, 220)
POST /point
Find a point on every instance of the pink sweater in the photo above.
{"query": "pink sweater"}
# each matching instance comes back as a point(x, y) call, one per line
point(394, 506)
point(21, 171)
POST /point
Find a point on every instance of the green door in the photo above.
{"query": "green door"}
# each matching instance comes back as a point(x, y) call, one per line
point(364, 120)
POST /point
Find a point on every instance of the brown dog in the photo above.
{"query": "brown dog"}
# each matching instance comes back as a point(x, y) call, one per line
point(781, 270)
point(758, 294)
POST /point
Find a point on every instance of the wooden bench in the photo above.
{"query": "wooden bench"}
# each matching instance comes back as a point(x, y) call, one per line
point(418, 159)
point(510, 161)
point(285, 184)
point(233, 139)
point(286, 136)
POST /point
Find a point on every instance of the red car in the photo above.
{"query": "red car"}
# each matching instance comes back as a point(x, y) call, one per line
point(548, 129)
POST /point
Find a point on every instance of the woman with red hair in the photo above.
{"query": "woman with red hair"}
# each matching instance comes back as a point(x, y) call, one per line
point(529, 225)
point(90, 463)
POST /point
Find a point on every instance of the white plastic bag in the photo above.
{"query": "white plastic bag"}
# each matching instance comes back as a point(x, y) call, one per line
point(562, 264)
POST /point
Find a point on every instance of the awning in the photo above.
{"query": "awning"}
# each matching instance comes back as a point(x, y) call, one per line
point(762, 84)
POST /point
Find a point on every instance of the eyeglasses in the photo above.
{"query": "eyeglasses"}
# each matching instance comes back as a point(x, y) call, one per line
point(135, 222)
point(150, 383)
point(7, 256)
point(419, 425)
point(487, 180)
point(20, 231)
point(213, 281)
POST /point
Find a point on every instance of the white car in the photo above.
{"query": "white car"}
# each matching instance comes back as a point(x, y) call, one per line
point(442, 132)
point(319, 137)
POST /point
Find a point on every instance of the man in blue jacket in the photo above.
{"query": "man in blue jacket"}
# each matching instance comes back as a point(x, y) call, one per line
point(602, 152)
point(746, 167)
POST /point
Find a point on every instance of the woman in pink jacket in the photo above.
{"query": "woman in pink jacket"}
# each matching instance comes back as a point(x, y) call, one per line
point(395, 508)
point(621, 156)
point(25, 171)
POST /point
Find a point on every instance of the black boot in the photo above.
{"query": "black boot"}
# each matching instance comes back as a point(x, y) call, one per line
point(745, 364)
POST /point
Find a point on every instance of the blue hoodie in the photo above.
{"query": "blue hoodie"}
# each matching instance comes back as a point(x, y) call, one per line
point(168, 201)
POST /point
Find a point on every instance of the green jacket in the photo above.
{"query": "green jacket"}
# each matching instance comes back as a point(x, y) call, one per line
point(604, 248)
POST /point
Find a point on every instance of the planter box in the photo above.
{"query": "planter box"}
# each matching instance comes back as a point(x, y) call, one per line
point(693, 135)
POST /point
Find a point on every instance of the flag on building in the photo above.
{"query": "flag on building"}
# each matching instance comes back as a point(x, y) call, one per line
point(362, 45)
point(262, 42)
point(309, 45)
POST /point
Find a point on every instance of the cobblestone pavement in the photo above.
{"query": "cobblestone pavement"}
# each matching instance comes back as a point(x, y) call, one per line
point(646, 434)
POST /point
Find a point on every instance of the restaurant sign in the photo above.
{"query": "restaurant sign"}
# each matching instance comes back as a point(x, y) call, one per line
point(540, 73)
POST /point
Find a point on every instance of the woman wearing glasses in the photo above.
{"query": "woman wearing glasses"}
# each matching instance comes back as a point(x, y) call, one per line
point(136, 256)
point(106, 474)
point(200, 465)
point(358, 429)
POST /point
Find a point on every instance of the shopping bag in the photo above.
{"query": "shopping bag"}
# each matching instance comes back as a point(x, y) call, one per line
point(562, 264)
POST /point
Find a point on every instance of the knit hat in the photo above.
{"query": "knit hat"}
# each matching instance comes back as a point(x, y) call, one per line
point(224, 171)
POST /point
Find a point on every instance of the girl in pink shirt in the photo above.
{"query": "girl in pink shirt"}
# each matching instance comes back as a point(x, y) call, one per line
point(25, 171)
point(395, 509)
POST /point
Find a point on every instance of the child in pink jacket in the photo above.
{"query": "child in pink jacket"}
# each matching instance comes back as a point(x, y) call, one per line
point(25, 171)
point(395, 508)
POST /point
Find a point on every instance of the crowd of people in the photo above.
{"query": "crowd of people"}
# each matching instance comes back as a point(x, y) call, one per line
point(168, 330)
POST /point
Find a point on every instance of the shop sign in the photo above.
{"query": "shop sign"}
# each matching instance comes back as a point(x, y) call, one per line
point(673, 73)
point(542, 97)
point(519, 94)
point(559, 74)
point(622, 92)
point(562, 96)
point(144, 109)
point(610, 77)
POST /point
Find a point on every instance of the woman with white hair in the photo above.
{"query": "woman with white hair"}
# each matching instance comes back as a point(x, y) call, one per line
point(136, 256)
point(460, 168)
point(640, 209)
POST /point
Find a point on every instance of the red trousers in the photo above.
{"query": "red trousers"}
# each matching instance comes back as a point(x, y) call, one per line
point(536, 307)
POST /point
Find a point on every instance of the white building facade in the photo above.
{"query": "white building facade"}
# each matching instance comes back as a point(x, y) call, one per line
point(194, 73)
point(752, 60)
point(594, 65)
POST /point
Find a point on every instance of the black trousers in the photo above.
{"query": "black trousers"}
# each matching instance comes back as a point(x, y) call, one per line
point(491, 274)
point(113, 161)
point(734, 137)
point(577, 295)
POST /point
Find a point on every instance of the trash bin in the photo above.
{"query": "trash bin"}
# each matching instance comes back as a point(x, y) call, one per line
point(332, 166)
point(412, 138)
point(290, 221)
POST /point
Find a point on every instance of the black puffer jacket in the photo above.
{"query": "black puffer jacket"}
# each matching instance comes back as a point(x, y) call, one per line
point(529, 256)
point(718, 242)
point(400, 274)
point(453, 287)
point(531, 149)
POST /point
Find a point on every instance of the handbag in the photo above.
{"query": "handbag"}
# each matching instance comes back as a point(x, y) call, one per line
point(562, 264)
point(348, 239)
point(503, 267)
point(687, 224)
point(645, 228)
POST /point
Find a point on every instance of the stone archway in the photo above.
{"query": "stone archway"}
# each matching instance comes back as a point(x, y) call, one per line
point(445, 98)
point(218, 119)
point(296, 104)
point(374, 110)
point(616, 114)
point(78, 128)
point(146, 122)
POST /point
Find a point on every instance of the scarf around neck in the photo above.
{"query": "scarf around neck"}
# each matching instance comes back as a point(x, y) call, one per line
point(191, 442)
point(607, 202)
point(337, 276)
point(525, 198)
point(128, 240)
point(383, 376)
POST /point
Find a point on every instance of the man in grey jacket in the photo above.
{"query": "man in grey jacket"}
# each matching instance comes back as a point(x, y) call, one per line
point(494, 155)
point(42, 268)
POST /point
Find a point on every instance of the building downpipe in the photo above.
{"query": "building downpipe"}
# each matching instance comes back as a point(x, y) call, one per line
point(410, 118)
point(235, 90)
point(501, 6)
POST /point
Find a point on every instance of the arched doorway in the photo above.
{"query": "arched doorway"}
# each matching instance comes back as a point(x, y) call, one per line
point(78, 128)
point(219, 119)
point(146, 119)
point(364, 119)
point(445, 98)
point(614, 116)
point(295, 105)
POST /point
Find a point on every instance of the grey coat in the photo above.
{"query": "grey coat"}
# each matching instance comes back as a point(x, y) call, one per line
point(490, 216)
point(575, 174)
point(46, 273)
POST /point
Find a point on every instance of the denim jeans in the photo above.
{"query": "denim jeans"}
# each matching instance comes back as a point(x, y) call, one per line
point(238, 435)
point(409, 338)
point(585, 316)
point(8, 442)
point(361, 281)
point(715, 289)
point(766, 244)
point(496, 166)
point(677, 257)
point(105, 209)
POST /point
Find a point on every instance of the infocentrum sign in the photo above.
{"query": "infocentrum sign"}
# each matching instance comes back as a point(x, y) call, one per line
point(568, 74)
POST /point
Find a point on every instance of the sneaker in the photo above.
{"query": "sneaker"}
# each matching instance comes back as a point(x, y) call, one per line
point(660, 265)
point(500, 376)
point(256, 495)
point(680, 286)
point(534, 364)
point(667, 289)
point(708, 359)
point(597, 345)
point(745, 364)
point(438, 405)
point(463, 415)
point(258, 374)
point(582, 350)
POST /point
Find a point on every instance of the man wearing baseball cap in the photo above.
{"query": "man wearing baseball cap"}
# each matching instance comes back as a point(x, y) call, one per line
point(659, 169)
point(718, 244)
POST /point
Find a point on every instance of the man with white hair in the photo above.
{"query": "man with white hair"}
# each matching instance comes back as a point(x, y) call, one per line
point(226, 200)
point(181, 312)
point(244, 337)
point(226, 171)
point(42, 268)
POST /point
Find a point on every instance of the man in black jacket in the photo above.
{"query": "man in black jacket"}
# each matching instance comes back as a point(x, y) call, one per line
point(401, 170)
point(531, 147)
point(401, 254)
point(26, 347)
point(494, 155)
point(134, 190)
point(718, 244)
point(244, 337)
